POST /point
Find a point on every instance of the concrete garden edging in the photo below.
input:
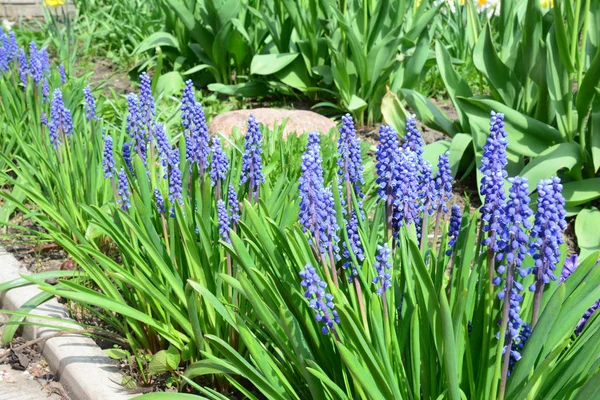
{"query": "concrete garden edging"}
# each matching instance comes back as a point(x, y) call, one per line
point(84, 370)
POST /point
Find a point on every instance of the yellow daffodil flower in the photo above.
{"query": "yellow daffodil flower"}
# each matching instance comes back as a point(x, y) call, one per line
point(54, 3)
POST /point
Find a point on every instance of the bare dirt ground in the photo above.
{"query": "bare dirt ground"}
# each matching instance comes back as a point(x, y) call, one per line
point(25, 374)
point(109, 76)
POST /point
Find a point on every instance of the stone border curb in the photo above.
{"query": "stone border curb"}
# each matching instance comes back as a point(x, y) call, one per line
point(84, 370)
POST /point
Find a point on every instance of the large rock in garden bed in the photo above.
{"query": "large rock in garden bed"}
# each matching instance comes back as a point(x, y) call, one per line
point(298, 121)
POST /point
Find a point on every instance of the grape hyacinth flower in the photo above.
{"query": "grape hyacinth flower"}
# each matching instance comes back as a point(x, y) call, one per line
point(23, 67)
point(427, 189)
point(45, 90)
point(12, 46)
point(188, 103)
point(412, 140)
point(513, 246)
point(5, 39)
point(443, 182)
point(513, 240)
point(123, 191)
point(52, 132)
point(234, 205)
point(90, 104)
point(571, 264)
point(492, 167)
point(61, 72)
point(160, 201)
point(132, 115)
point(548, 237)
point(220, 163)
point(36, 68)
point(387, 158)
point(548, 230)
point(454, 229)
point(175, 183)
point(428, 198)
point(4, 65)
point(44, 119)
point(45, 61)
point(317, 211)
point(328, 230)
point(406, 190)
point(108, 161)
point(569, 267)
point(223, 217)
point(349, 161)
point(382, 267)
point(146, 104)
point(584, 320)
point(251, 160)
point(199, 135)
point(163, 146)
point(5, 56)
point(518, 346)
point(126, 151)
point(355, 244)
point(319, 300)
point(61, 116)
point(310, 186)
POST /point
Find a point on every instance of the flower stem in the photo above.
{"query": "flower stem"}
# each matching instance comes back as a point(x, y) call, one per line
point(503, 336)
point(505, 370)
point(537, 301)
point(165, 233)
point(423, 226)
point(438, 219)
point(332, 262)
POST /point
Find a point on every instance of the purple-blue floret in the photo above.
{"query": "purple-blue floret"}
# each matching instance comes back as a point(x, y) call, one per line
point(550, 222)
point(123, 191)
point(406, 190)
point(90, 104)
point(146, 105)
point(355, 245)
point(223, 217)
point(126, 151)
point(454, 229)
point(387, 157)
point(160, 201)
point(493, 162)
point(108, 160)
point(513, 244)
point(319, 300)
point(413, 140)
point(349, 161)
point(62, 73)
point(383, 268)
point(234, 205)
point(251, 159)
point(443, 182)
point(175, 182)
point(220, 162)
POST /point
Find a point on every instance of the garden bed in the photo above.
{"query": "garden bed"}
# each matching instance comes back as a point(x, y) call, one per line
point(398, 255)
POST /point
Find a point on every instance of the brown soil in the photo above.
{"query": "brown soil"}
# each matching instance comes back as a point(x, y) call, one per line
point(32, 363)
point(35, 254)
point(447, 107)
point(106, 74)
